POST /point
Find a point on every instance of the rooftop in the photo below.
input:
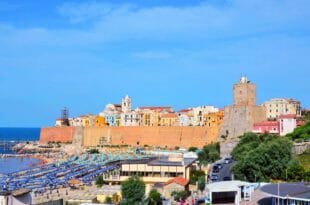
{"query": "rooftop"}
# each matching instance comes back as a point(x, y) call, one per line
point(162, 161)
point(178, 180)
point(169, 115)
point(284, 190)
point(155, 107)
point(267, 123)
point(287, 116)
point(226, 186)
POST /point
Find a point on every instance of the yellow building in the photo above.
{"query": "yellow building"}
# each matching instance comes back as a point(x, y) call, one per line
point(213, 121)
point(86, 120)
point(153, 170)
point(114, 192)
point(169, 119)
point(280, 106)
point(151, 116)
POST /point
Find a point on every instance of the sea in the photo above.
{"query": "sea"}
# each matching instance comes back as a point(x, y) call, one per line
point(11, 136)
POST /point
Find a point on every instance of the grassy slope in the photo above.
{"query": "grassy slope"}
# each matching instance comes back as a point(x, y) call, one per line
point(305, 159)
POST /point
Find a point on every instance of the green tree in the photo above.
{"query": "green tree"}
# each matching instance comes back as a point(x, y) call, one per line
point(194, 176)
point(192, 149)
point(209, 153)
point(99, 181)
point(201, 183)
point(133, 191)
point(214, 155)
point(93, 151)
point(202, 158)
point(261, 159)
point(295, 172)
point(179, 196)
point(183, 195)
point(108, 200)
point(154, 197)
point(302, 132)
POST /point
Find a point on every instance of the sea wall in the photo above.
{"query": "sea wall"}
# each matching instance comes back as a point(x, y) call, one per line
point(151, 136)
point(57, 134)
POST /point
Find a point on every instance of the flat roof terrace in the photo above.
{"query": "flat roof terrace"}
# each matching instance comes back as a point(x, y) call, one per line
point(162, 161)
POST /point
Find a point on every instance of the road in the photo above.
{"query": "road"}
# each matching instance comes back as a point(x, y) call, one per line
point(225, 171)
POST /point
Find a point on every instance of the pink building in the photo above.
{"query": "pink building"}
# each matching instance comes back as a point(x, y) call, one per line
point(267, 126)
point(284, 125)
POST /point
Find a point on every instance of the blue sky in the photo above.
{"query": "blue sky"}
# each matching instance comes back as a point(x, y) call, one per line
point(85, 54)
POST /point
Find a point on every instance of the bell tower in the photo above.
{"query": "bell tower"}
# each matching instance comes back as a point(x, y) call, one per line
point(126, 104)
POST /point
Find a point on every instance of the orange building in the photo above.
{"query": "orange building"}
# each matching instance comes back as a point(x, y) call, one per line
point(169, 119)
point(99, 121)
point(214, 120)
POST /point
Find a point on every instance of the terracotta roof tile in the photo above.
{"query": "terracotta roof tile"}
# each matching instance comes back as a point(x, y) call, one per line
point(169, 115)
point(267, 123)
point(178, 180)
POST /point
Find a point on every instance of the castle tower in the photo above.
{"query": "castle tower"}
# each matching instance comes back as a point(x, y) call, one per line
point(126, 104)
point(244, 93)
point(240, 117)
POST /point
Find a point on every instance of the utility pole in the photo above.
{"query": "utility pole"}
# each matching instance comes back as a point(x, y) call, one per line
point(278, 193)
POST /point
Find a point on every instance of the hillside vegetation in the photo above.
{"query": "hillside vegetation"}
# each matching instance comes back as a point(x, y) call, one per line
point(302, 132)
point(304, 160)
point(267, 157)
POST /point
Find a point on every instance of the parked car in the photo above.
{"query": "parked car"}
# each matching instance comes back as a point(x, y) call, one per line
point(219, 165)
point(227, 178)
point(227, 160)
point(214, 178)
point(213, 174)
point(215, 170)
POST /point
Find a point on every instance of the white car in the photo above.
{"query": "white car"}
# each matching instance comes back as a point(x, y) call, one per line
point(227, 160)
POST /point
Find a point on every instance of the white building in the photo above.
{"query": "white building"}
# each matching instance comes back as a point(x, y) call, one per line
point(199, 112)
point(185, 117)
point(112, 114)
point(281, 106)
point(132, 118)
point(75, 122)
point(287, 124)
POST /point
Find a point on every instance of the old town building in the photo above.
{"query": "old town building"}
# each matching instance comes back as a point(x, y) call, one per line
point(281, 106)
point(199, 112)
point(169, 119)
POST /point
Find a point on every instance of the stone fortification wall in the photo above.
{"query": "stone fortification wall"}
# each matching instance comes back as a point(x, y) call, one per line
point(57, 134)
point(237, 121)
point(152, 136)
point(240, 119)
point(299, 148)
